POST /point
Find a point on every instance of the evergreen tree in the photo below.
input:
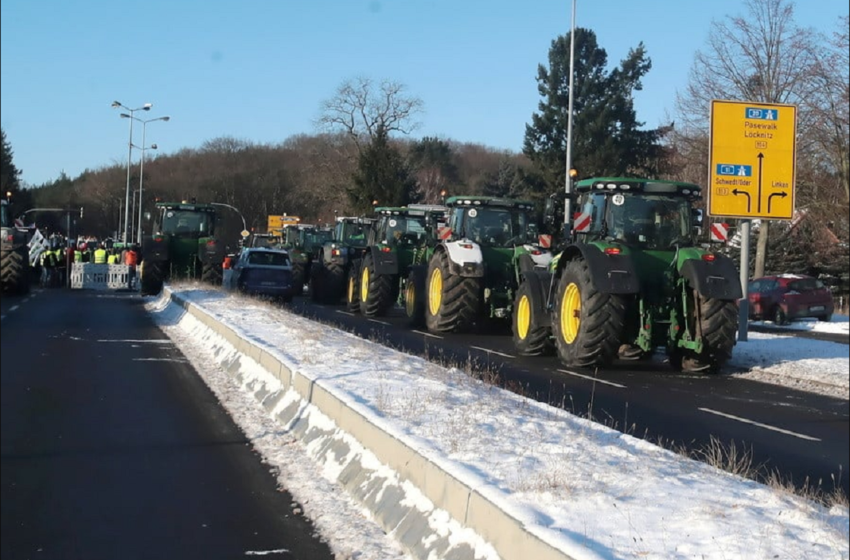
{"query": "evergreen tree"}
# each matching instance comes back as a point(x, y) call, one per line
point(606, 139)
point(381, 176)
point(434, 169)
point(9, 174)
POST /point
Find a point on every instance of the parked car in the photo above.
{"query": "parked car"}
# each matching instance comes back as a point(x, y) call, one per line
point(261, 271)
point(787, 297)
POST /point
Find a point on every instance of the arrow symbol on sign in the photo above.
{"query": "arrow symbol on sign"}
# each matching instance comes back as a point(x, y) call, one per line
point(761, 158)
point(736, 192)
point(769, 199)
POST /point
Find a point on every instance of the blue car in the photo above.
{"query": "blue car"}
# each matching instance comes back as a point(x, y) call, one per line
point(261, 271)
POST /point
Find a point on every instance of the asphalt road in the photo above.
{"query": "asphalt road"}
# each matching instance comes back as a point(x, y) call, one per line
point(113, 447)
point(800, 436)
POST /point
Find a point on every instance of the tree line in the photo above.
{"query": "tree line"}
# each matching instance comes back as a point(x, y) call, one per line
point(362, 151)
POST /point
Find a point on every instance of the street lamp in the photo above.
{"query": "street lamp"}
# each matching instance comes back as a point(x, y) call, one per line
point(143, 148)
point(145, 107)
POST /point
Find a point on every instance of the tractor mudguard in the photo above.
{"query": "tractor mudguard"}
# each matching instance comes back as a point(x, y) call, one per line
point(716, 279)
point(155, 251)
point(385, 263)
point(526, 263)
point(538, 282)
point(611, 273)
point(465, 259)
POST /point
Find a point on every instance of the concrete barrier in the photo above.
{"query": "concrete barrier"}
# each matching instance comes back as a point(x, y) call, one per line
point(465, 499)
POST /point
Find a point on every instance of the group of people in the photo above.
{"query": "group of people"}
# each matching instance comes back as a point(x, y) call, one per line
point(56, 259)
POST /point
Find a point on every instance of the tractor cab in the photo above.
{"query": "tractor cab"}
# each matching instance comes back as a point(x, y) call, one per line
point(653, 215)
point(492, 222)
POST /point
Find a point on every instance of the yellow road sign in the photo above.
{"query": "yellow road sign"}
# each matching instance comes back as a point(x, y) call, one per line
point(752, 162)
point(278, 222)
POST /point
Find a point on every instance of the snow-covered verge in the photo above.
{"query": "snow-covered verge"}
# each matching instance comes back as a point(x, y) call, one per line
point(607, 494)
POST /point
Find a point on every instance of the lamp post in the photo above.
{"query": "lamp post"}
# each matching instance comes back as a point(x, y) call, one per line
point(145, 107)
point(244, 225)
point(143, 149)
point(568, 220)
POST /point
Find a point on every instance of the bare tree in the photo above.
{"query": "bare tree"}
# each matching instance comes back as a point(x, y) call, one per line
point(762, 57)
point(360, 107)
point(828, 106)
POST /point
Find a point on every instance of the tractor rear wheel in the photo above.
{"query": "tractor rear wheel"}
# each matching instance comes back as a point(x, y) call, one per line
point(14, 272)
point(453, 301)
point(334, 287)
point(376, 290)
point(587, 324)
point(152, 276)
point(352, 289)
point(317, 275)
point(298, 277)
point(715, 321)
point(530, 337)
point(211, 274)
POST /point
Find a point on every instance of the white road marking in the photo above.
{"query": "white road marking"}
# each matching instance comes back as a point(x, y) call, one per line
point(178, 360)
point(14, 307)
point(380, 322)
point(428, 334)
point(129, 340)
point(759, 424)
point(493, 352)
point(345, 313)
point(596, 379)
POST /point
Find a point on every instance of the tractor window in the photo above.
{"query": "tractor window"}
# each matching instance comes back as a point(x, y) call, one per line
point(497, 226)
point(186, 222)
point(355, 234)
point(404, 229)
point(653, 221)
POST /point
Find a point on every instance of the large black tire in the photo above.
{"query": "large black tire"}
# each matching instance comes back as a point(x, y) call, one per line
point(376, 290)
point(530, 337)
point(317, 283)
point(352, 289)
point(14, 271)
point(453, 302)
point(716, 322)
point(152, 278)
point(414, 298)
point(211, 274)
point(587, 324)
point(298, 277)
point(334, 282)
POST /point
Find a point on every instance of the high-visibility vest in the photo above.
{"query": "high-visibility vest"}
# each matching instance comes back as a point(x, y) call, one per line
point(131, 258)
point(100, 256)
point(78, 256)
point(112, 259)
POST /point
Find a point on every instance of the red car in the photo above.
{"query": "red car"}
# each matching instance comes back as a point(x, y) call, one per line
point(786, 297)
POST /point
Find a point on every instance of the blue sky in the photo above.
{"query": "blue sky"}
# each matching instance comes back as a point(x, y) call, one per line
point(258, 70)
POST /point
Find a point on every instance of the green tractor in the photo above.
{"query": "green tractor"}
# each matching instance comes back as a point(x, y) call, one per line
point(333, 262)
point(303, 243)
point(182, 245)
point(393, 268)
point(475, 269)
point(15, 260)
point(631, 279)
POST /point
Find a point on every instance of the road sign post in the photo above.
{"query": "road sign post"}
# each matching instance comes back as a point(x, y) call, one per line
point(751, 171)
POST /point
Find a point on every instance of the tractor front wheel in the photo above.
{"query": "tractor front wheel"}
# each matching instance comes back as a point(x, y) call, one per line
point(587, 324)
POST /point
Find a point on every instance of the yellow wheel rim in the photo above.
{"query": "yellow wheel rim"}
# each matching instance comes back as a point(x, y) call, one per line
point(435, 291)
point(523, 317)
point(410, 299)
point(364, 285)
point(570, 313)
point(351, 291)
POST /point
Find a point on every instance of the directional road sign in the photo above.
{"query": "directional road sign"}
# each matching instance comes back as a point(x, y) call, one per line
point(751, 166)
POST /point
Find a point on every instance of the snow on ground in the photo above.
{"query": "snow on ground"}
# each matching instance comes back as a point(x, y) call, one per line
point(801, 363)
point(610, 495)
